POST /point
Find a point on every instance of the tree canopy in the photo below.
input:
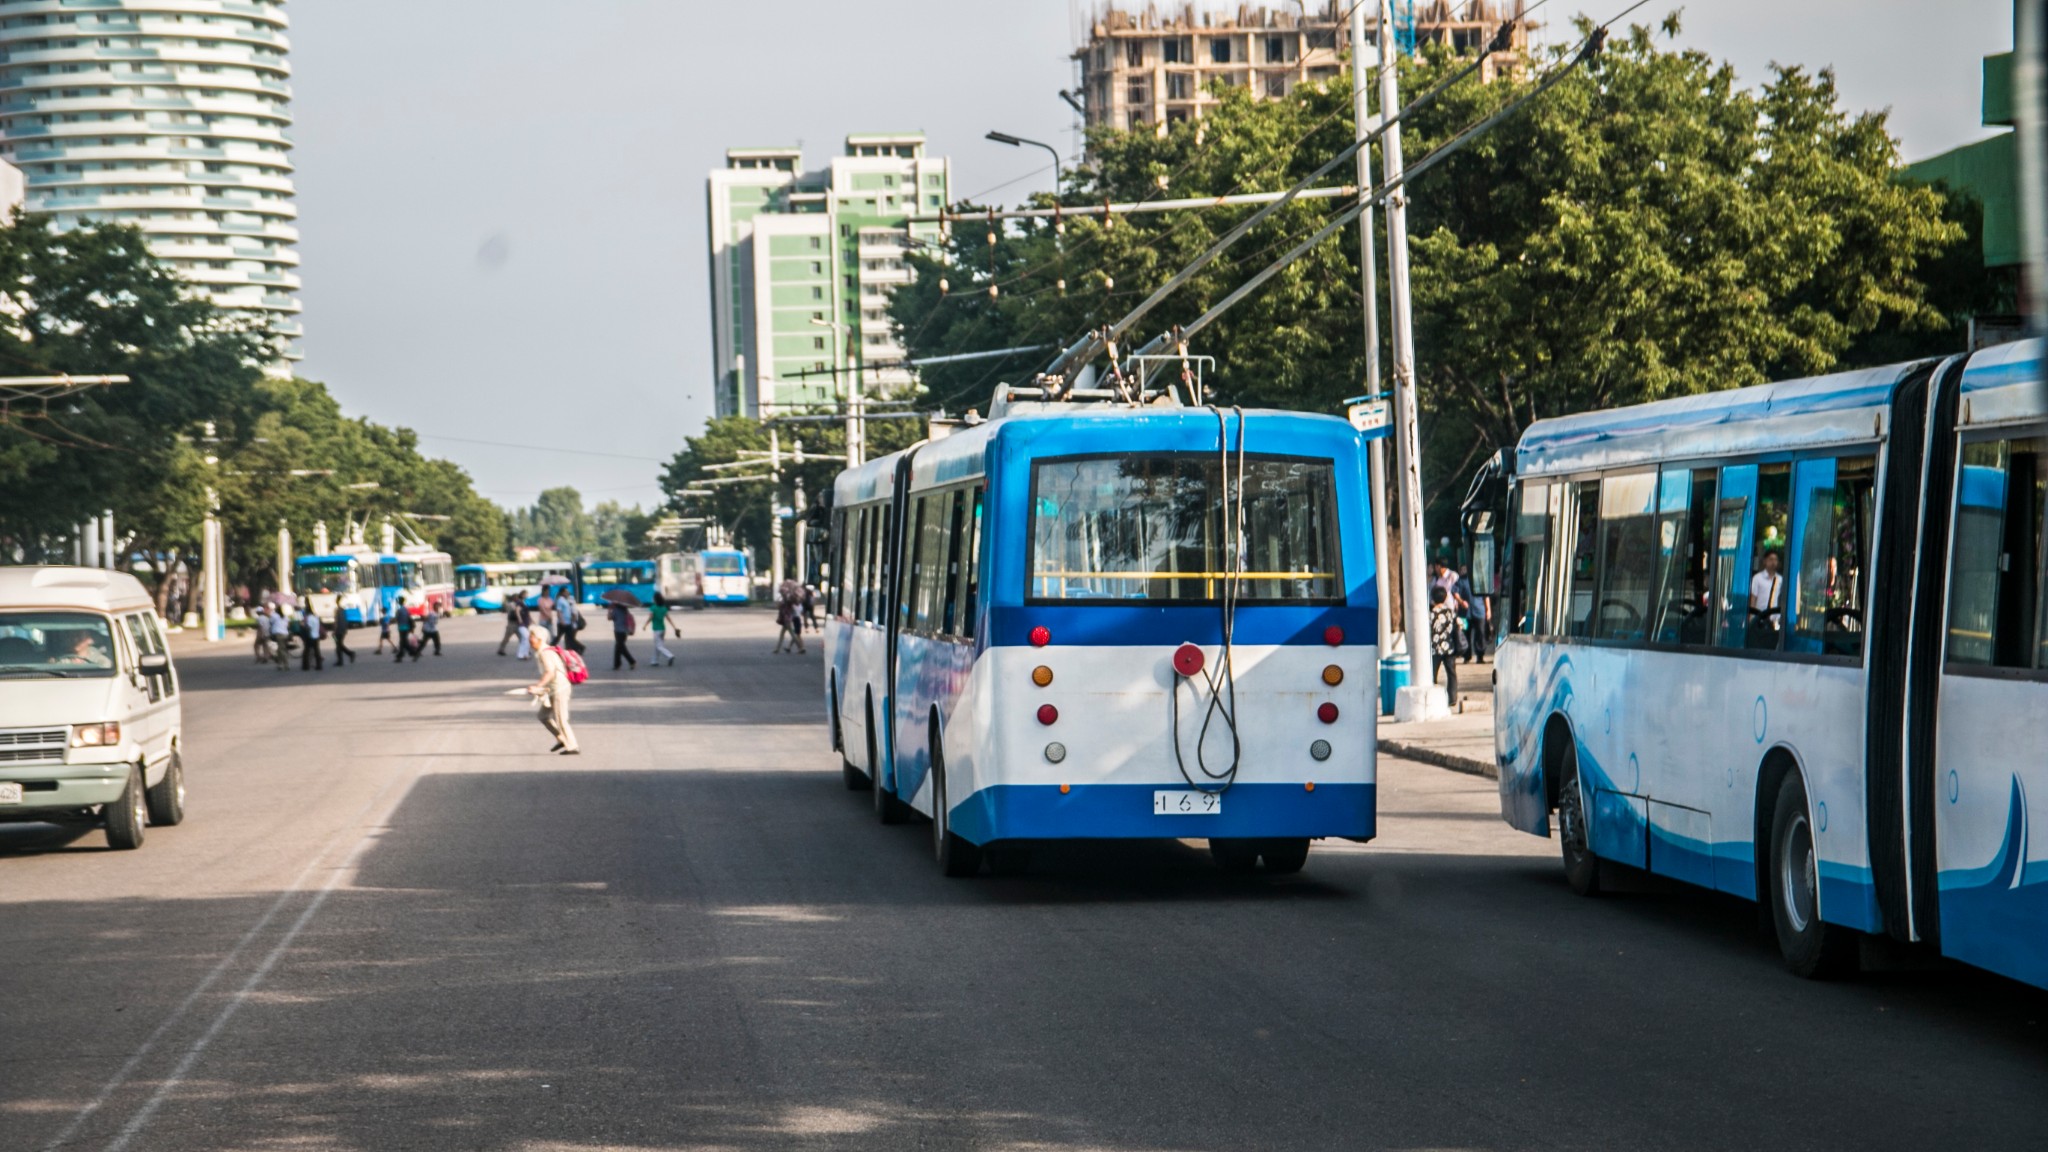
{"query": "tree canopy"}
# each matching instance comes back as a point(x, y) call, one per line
point(93, 301)
point(1646, 228)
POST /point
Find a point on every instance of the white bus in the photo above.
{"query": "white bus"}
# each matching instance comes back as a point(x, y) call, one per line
point(1790, 642)
point(1096, 620)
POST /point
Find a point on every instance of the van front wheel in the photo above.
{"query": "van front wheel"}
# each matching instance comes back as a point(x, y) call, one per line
point(125, 816)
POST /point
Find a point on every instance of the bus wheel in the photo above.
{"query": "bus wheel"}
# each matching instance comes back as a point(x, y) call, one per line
point(1284, 856)
point(1811, 948)
point(1581, 867)
point(957, 856)
point(1007, 858)
point(125, 816)
point(1234, 855)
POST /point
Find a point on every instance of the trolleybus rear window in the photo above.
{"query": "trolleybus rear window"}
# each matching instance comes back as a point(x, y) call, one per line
point(1152, 527)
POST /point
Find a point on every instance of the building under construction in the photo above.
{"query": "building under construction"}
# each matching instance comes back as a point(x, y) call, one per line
point(1152, 68)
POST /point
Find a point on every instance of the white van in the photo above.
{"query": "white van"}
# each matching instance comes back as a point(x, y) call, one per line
point(90, 728)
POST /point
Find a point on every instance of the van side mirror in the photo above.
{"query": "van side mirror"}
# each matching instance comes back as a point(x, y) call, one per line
point(154, 664)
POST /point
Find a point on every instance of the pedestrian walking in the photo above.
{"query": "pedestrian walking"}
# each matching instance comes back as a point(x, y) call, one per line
point(513, 604)
point(1443, 641)
point(401, 614)
point(811, 609)
point(532, 634)
point(262, 625)
point(657, 626)
point(553, 692)
point(789, 619)
point(430, 629)
point(280, 636)
point(568, 622)
point(1478, 620)
point(622, 627)
point(383, 626)
point(309, 626)
point(342, 652)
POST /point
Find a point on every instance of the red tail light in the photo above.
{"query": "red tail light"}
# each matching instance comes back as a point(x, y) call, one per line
point(1041, 636)
point(1327, 712)
point(1047, 714)
point(1333, 636)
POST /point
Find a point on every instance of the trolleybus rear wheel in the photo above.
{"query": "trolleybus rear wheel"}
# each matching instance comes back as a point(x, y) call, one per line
point(1812, 948)
point(1284, 856)
point(1233, 855)
point(1581, 866)
point(888, 809)
point(957, 856)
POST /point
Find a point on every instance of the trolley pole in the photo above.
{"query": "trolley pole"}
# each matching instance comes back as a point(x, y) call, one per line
point(1420, 698)
point(1368, 267)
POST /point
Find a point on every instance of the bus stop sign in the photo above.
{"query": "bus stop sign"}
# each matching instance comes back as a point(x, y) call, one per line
point(1371, 416)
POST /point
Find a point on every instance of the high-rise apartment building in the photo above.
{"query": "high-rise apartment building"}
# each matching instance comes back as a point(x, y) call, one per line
point(173, 116)
point(1146, 68)
point(802, 264)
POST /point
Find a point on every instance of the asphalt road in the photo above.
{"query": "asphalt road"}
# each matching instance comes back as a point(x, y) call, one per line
point(393, 922)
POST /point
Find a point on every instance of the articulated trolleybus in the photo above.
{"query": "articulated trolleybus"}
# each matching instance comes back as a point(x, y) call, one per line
point(1110, 620)
point(1791, 642)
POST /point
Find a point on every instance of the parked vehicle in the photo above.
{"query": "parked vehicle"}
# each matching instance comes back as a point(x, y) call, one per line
point(90, 725)
point(680, 578)
point(728, 576)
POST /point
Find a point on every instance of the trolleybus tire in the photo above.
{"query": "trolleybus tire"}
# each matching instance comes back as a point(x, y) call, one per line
point(957, 856)
point(1812, 948)
point(1581, 866)
point(125, 816)
point(166, 801)
point(1284, 857)
point(1007, 858)
point(1233, 855)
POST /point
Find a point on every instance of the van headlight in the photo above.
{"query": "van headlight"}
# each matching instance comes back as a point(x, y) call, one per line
point(96, 735)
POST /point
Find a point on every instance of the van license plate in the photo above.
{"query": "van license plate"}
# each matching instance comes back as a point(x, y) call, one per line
point(1186, 804)
point(10, 792)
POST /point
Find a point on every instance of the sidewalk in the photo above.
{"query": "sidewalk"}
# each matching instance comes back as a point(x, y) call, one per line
point(1463, 741)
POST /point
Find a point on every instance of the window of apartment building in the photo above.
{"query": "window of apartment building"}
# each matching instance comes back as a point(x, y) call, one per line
point(817, 267)
point(1177, 50)
point(817, 293)
point(817, 242)
point(1276, 49)
point(932, 180)
point(1322, 38)
point(1219, 49)
point(1276, 86)
point(1180, 86)
point(1176, 115)
point(1134, 53)
point(932, 201)
point(817, 343)
point(1138, 92)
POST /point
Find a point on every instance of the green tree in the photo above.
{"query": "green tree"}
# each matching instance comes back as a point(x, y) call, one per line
point(1646, 228)
point(742, 508)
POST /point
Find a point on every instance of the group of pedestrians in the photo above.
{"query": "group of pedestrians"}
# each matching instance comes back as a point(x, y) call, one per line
point(413, 633)
point(278, 627)
point(1459, 625)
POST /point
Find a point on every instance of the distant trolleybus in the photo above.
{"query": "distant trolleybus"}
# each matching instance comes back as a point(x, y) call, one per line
point(1791, 642)
point(728, 576)
point(602, 576)
point(679, 577)
point(423, 576)
point(343, 583)
point(1082, 620)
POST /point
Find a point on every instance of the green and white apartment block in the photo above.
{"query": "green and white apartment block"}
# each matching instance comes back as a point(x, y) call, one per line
point(802, 264)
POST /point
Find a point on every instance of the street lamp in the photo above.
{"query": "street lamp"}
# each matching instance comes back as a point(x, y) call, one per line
point(1018, 141)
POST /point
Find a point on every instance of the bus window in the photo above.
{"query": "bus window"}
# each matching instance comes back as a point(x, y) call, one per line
point(1532, 546)
point(840, 567)
point(1628, 555)
point(1834, 500)
point(948, 597)
point(913, 548)
point(1731, 554)
point(1685, 533)
point(1769, 578)
point(1995, 570)
point(970, 567)
point(1581, 544)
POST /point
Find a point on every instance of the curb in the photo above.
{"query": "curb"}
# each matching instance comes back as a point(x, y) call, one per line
point(1466, 764)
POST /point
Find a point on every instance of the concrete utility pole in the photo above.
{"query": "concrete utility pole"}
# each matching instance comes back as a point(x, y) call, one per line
point(284, 556)
point(1420, 698)
point(774, 510)
point(212, 585)
point(1368, 264)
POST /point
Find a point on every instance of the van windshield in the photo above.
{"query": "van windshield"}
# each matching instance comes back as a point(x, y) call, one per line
point(55, 645)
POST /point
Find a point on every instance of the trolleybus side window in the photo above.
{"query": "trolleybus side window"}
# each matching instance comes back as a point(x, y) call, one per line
point(913, 567)
point(1685, 543)
point(1628, 555)
point(1834, 502)
point(870, 565)
point(1731, 554)
point(1533, 518)
point(1770, 567)
point(1581, 545)
point(970, 565)
point(1995, 581)
point(946, 619)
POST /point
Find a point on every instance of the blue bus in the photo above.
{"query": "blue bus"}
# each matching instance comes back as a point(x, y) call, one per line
point(1791, 642)
point(728, 576)
point(472, 582)
point(602, 576)
point(1040, 629)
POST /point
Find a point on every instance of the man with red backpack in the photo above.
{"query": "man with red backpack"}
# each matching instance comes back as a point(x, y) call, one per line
point(560, 670)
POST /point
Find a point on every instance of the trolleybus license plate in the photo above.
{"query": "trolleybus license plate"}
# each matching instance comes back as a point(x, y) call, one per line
point(1186, 804)
point(10, 792)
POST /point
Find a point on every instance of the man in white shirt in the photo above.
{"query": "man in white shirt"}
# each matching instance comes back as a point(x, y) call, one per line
point(280, 635)
point(1767, 593)
point(312, 658)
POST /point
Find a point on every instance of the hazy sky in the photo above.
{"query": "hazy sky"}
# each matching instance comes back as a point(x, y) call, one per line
point(502, 201)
